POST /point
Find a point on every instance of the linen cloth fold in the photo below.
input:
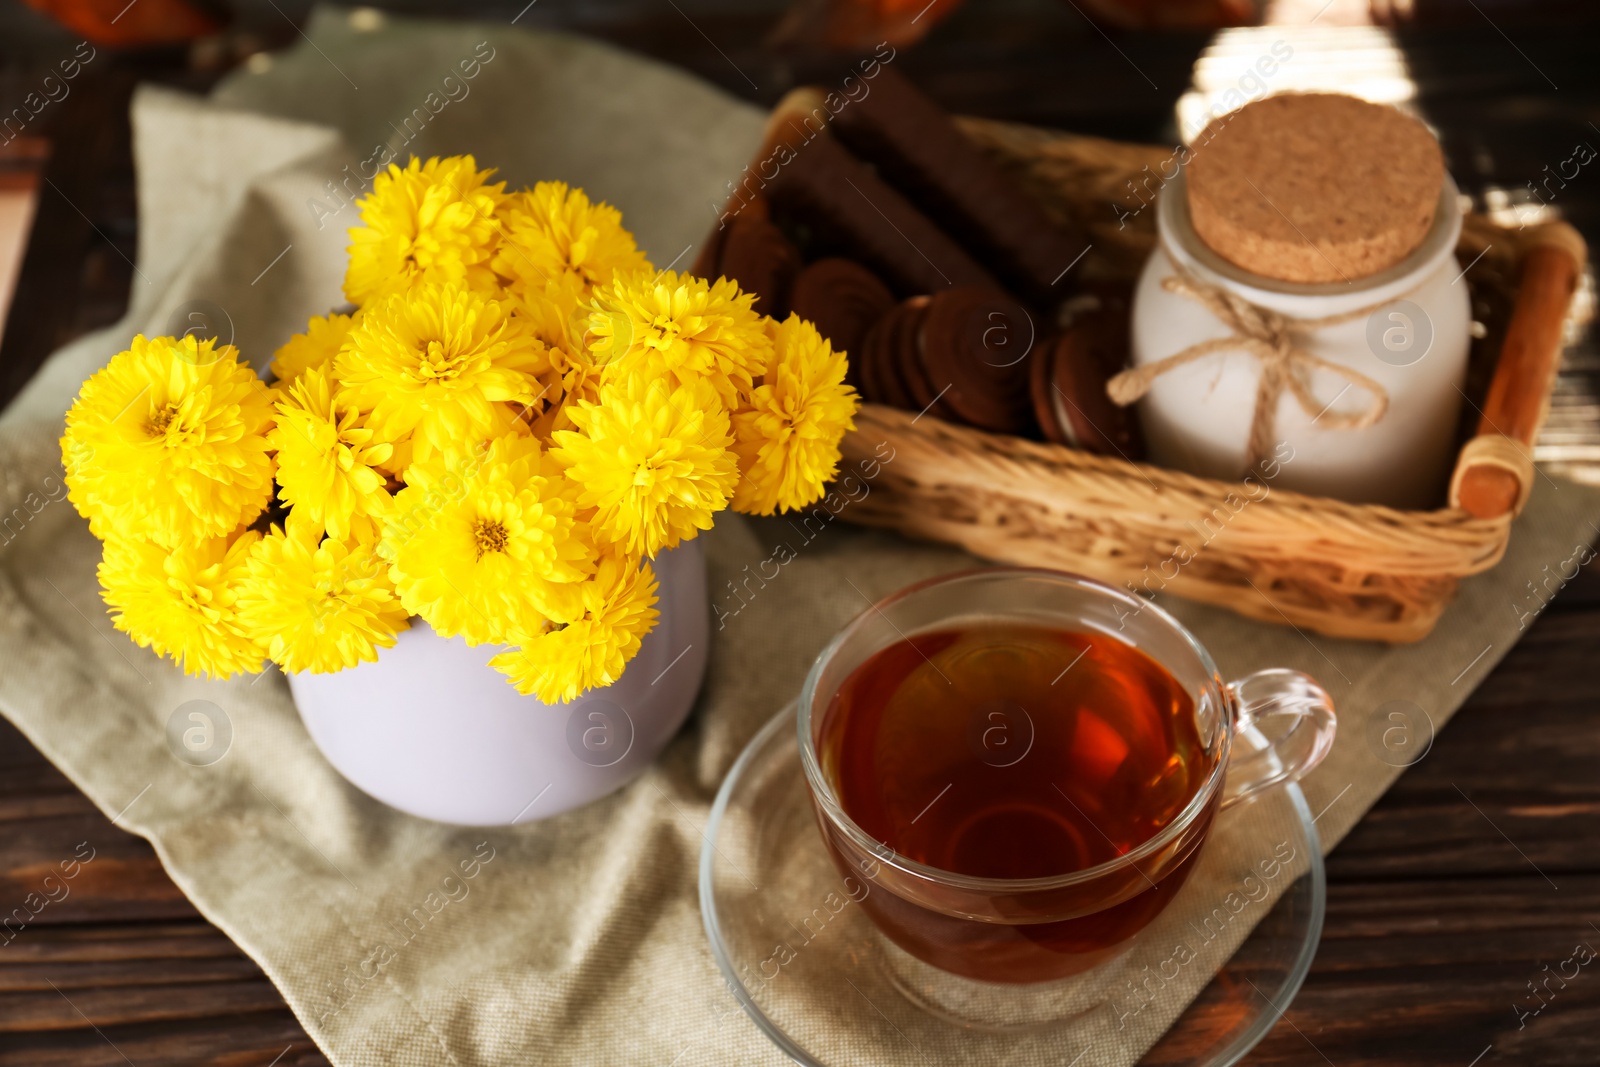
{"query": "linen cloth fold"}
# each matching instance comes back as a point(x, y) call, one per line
point(577, 939)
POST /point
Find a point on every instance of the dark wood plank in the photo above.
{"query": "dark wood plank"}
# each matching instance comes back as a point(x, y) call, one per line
point(244, 1041)
point(120, 967)
point(1436, 972)
point(1509, 788)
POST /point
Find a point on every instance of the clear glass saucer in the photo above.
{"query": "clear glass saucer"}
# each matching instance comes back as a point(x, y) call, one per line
point(815, 975)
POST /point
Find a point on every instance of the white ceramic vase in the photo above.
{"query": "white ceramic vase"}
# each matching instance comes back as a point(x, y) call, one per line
point(431, 729)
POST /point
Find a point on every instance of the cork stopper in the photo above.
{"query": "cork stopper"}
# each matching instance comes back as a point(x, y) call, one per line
point(1314, 187)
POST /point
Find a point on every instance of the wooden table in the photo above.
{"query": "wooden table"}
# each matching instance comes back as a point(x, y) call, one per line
point(1478, 869)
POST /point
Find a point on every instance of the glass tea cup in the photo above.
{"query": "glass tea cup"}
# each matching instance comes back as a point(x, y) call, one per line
point(1253, 734)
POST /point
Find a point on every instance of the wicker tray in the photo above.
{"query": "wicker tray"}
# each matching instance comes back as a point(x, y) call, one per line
point(1361, 571)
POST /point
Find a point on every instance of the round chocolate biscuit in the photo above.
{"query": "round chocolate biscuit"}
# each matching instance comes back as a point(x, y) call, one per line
point(881, 378)
point(903, 322)
point(842, 299)
point(978, 341)
point(926, 393)
point(1098, 298)
point(1073, 390)
point(868, 366)
point(757, 255)
point(1041, 391)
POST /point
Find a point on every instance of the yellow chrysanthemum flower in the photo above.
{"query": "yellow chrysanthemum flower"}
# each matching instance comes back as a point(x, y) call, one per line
point(434, 362)
point(556, 238)
point(328, 460)
point(486, 545)
point(788, 438)
point(593, 649)
point(559, 322)
point(556, 319)
point(679, 326)
point(577, 383)
point(180, 601)
point(168, 443)
point(318, 607)
point(654, 459)
point(432, 222)
point(313, 349)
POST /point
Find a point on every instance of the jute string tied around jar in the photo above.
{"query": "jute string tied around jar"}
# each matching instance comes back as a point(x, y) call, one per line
point(1272, 338)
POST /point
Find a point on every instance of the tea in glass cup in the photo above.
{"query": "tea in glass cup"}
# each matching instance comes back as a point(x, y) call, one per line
point(1028, 763)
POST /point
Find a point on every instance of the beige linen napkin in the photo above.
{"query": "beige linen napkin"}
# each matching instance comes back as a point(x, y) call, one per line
point(578, 939)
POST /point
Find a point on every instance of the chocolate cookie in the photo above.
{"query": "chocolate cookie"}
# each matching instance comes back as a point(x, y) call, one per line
point(1041, 392)
point(842, 299)
point(920, 151)
point(757, 255)
point(822, 188)
point(1096, 300)
point(927, 395)
point(873, 364)
point(882, 371)
point(1069, 388)
point(976, 346)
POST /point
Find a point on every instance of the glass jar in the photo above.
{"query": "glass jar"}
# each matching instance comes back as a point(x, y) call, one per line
point(1389, 349)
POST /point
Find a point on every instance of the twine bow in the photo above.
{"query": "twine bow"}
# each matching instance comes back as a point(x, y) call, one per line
point(1272, 339)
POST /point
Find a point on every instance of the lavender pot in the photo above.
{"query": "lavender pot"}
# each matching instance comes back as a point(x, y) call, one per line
point(431, 729)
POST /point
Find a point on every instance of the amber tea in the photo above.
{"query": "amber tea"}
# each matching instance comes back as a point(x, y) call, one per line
point(1017, 751)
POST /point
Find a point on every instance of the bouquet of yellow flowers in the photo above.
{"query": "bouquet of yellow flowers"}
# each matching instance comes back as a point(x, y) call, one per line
point(518, 415)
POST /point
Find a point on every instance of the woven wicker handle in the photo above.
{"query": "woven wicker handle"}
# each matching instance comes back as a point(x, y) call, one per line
point(1495, 472)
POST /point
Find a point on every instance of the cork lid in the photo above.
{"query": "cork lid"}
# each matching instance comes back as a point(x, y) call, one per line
point(1314, 187)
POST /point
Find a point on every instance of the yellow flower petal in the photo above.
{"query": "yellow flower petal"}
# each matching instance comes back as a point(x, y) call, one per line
point(181, 601)
point(681, 328)
point(430, 222)
point(433, 363)
point(788, 437)
point(593, 649)
point(318, 607)
point(654, 460)
point(328, 459)
point(168, 443)
point(556, 239)
point(481, 545)
point(313, 349)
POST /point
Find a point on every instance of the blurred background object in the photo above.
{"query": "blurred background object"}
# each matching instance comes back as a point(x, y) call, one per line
point(851, 25)
point(857, 25)
point(131, 23)
point(21, 161)
point(1172, 14)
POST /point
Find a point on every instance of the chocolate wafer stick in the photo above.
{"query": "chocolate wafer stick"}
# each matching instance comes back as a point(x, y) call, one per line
point(824, 188)
point(921, 152)
point(757, 256)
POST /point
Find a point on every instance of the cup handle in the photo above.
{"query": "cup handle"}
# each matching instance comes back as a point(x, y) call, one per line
point(1283, 725)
